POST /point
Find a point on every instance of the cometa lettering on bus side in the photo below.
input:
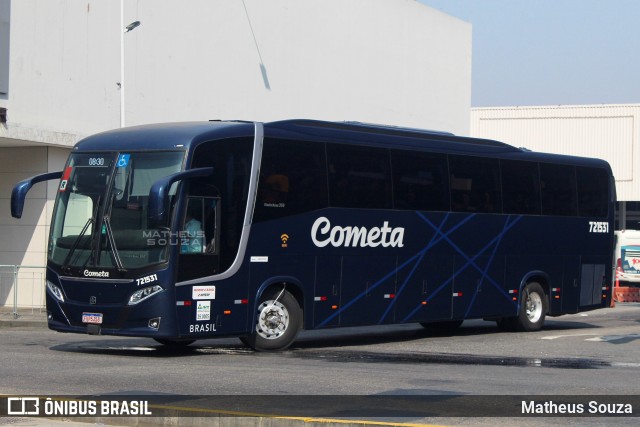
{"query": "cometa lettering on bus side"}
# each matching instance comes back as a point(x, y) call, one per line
point(323, 234)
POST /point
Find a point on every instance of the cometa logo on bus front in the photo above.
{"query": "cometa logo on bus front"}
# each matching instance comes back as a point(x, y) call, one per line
point(323, 235)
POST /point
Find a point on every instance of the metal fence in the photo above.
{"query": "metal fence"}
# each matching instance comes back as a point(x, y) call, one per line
point(22, 286)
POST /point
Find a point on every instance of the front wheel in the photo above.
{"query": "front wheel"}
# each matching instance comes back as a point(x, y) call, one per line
point(277, 321)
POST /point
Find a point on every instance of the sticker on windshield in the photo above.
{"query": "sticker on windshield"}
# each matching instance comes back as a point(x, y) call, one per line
point(123, 160)
point(65, 178)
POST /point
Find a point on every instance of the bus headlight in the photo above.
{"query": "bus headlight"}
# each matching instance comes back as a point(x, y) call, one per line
point(144, 293)
point(55, 291)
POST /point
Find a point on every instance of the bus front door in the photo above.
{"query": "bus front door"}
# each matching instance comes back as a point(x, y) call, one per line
point(199, 239)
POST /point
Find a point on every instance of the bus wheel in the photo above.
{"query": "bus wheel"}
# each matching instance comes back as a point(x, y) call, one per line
point(533, 309)
point(174, 343)
point(277, 321)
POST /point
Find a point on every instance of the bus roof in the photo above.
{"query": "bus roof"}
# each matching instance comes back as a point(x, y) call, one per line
point(163, 136)
point(375, 134)
point(186, 135)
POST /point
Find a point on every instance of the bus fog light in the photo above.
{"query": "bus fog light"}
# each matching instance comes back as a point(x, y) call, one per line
point(143, 294)
point(154, 323)
point(55, 291)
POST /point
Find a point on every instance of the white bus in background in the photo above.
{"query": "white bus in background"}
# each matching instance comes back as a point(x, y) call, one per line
point(627, 257)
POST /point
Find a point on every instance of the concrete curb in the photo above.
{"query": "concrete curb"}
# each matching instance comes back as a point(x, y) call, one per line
point(17, 323)
point(26, 318)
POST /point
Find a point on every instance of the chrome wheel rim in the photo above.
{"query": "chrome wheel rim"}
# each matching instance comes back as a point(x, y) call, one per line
point(533, 307)
point(273, 320)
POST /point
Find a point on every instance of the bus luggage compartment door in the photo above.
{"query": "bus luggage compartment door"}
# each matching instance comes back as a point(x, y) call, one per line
point(367, 289)
point(592, 279)
point(326, 293)
point(424, 290)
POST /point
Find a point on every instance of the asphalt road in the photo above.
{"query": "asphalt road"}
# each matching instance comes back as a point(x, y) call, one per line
point(593, 353)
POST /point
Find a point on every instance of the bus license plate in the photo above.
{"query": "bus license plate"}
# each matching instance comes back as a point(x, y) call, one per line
point(94, 318)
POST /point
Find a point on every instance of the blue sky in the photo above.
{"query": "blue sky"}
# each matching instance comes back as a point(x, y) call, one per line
point(551, 52)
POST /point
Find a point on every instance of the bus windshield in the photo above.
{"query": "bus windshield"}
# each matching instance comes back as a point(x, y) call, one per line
point(100, 219)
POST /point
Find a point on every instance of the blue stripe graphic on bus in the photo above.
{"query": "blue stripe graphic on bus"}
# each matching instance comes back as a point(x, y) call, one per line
point(470, 261)
point(437, 238)
point(419, 256)
point(484, 273)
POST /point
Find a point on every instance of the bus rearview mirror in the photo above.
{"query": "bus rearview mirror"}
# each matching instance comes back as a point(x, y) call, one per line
point(20, 190)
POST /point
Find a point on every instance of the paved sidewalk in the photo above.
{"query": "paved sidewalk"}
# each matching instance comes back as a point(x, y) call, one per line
point(26, 317)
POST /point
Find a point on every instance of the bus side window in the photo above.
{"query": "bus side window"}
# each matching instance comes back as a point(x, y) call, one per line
point(520, 187)
point(192, 237)
point(359, 177)
point(201, 227)
point(211, 226)
point(558, 187)
point(293, 179)
point(593, 192)
point(199, 237)
point(475, 184)
point(420, 181)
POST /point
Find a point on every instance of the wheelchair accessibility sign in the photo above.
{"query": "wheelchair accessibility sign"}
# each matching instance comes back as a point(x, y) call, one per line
point(123, 160)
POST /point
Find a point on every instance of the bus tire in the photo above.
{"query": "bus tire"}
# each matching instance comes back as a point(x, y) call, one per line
point(533, 309)
point(277, 321)
point(174, 343)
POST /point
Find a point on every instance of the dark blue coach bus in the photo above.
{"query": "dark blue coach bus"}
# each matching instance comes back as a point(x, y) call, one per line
point(180, 232)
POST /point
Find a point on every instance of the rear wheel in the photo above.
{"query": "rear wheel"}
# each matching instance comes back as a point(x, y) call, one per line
point(533, 310)
point(277, 321)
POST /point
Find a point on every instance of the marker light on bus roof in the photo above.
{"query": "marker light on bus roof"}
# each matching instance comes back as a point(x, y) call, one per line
point(144, 293)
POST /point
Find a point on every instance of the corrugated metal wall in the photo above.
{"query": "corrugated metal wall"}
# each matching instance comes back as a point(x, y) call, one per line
point(610, 132)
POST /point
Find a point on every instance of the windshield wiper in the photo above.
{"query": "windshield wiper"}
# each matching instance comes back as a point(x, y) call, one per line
point(112, 243)
point(67, 260)
point(76, 242)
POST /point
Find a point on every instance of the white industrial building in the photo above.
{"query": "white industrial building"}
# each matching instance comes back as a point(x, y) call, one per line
point(610, 132)
point(67, 70)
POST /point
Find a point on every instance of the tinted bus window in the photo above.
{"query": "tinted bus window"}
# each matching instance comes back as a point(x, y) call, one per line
point(593, 191)
point(520, 187)
point(420, 181)
point(293, 179)
point(231, 161)
point(359, 177)
point(558, 187)
point(474, 184)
